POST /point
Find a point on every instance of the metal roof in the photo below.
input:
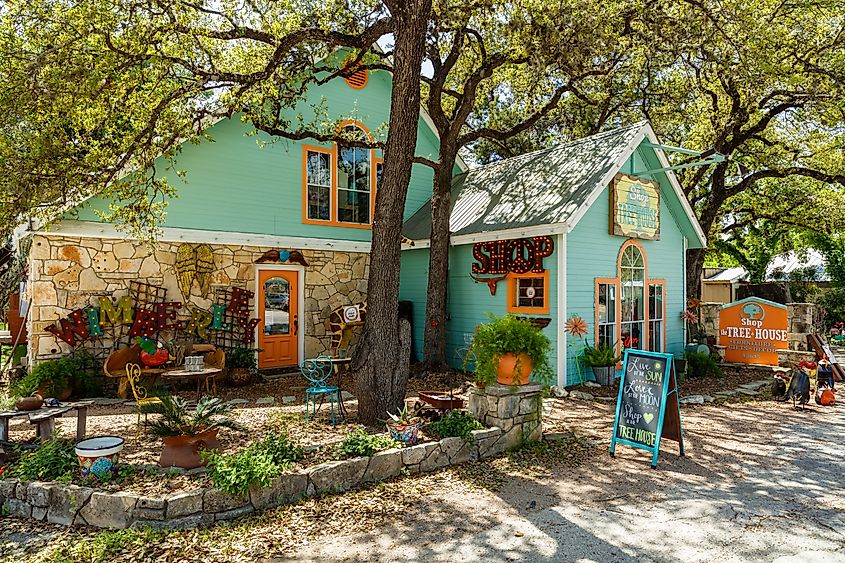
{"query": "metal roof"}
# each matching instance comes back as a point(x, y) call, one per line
point(539, 188)
point(729, 274)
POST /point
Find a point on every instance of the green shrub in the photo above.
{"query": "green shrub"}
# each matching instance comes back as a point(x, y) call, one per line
point(502, 335)
point(255, 465)
point(455, 424)
point(360, 444)
point(700, 364)
point(78, 372)
point(53, 460)
point(603, 355)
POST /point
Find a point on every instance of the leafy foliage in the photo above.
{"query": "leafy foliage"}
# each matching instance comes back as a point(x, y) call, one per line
point(603, 355)
point(455, 424)
point(53, 460)
point(178, 420)
point(700, 364)
point(241, 357)
point(55, 375)
point(358, 443)
point(501, 335)
point(255, 465)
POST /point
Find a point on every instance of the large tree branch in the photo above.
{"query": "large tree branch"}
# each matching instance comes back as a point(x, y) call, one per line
point(755, 177)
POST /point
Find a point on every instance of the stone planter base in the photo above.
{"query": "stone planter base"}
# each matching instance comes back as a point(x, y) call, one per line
point(74, 505)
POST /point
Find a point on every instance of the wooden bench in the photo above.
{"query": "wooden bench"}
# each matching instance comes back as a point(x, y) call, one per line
point(45, 419)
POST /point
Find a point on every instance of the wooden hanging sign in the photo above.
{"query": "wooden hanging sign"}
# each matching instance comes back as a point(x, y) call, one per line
point(647, 408)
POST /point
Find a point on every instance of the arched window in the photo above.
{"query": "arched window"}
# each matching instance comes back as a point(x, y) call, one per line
point(630, 308)
point(632, 278)
point(354, 176)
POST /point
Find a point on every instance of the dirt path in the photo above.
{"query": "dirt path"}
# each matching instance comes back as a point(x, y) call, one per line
point(760, 482)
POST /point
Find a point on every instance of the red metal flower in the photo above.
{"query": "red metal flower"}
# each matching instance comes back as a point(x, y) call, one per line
point(689, 316)
point(576, 326)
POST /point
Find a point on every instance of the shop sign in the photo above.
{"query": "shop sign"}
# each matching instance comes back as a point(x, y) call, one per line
point(647, 408)
point(518, 256)
point(635, 207)
point(83, 324)
point(752, 330)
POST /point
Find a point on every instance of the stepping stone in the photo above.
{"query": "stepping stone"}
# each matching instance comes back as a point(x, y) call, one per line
point(347, 396)
point(555, 436)
point(692, 400)
point(591, 384)
point(730, 393)
point(755, 385)
point(708, 399)
point(238, 402)
point(748, 392)
point(265, 401)
point(581, 395)
point(559, 392)
point(288, 399)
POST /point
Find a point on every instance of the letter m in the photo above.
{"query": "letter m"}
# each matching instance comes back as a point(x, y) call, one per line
point(122, 314)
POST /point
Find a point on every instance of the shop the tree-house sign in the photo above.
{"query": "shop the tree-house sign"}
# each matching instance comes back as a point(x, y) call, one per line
point(503, 257)
point(635, 207)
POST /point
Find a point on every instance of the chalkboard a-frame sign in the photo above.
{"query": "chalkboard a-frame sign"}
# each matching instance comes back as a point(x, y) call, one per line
point(647, 408)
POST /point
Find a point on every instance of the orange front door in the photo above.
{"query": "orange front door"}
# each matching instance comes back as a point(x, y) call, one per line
point(279, 325)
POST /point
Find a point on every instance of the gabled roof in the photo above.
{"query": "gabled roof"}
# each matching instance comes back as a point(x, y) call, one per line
point(550, 187)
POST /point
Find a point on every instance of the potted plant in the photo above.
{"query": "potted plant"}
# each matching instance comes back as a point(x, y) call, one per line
point(603, 359)
point(404, 427)
point(185, 433)
point(508, 349)
point(242, 364)
point(50, 378)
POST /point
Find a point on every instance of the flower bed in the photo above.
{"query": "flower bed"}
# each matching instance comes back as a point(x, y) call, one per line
point(79, 505)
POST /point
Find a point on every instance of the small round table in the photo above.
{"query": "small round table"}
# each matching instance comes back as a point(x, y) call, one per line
point(201, 376)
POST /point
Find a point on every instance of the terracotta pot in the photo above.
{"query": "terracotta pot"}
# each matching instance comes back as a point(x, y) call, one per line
point(63, 395)
point(29, 403)
point(239, 376)
point(507, 371)
point(183, 451)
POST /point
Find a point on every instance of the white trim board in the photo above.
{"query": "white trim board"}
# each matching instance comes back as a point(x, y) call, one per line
point(300, 303)
point(502, 234)
point(92, 229)
point(562, 348)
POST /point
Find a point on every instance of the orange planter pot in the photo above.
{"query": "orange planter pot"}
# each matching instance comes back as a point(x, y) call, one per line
point(507, 372)
point(184, 451)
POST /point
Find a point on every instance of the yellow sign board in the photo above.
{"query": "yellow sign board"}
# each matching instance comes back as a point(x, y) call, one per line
point(635, 207)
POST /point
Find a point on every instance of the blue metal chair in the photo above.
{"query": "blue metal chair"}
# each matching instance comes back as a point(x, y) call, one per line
point(317, 372)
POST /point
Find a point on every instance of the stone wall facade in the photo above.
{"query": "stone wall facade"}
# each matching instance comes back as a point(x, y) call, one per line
point(70, 272)
point(74, 505)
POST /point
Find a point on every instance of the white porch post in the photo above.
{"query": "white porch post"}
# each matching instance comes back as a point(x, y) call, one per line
point(561, 310)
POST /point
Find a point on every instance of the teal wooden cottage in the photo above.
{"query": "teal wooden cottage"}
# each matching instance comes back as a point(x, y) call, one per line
point(278, 233)
point(596, 228)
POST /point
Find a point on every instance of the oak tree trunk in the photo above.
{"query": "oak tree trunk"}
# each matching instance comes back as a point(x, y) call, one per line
point(382, 372)
point(438, 263)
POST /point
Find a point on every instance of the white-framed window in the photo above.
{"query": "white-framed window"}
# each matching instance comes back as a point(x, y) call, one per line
point(632, 283)
point(656, 316)
point(606, 313)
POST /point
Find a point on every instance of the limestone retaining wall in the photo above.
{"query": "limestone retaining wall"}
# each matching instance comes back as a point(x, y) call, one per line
point(68, 273)
point(75, 505)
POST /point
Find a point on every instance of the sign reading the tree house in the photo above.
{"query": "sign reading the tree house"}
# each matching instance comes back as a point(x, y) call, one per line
point(752, 331)
point(635, 207)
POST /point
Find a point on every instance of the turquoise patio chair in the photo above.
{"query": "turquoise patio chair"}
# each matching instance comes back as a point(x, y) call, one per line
point(317, 372)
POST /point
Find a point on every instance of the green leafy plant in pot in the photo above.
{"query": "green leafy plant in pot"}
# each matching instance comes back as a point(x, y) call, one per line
point(602, 359)
point(185, 433)
point(242, 365)
point(508, 350)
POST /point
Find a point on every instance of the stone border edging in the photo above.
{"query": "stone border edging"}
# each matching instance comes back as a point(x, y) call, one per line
point(74, 505)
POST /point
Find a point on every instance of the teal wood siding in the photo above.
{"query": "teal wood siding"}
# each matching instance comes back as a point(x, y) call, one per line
point(468, 301)
point(592, 253)
point(233, 184)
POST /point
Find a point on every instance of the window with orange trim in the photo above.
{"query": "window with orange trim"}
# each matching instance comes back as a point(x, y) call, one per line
point(528, 293)
point(318, 184)
point(339, 183)
point(630, 309)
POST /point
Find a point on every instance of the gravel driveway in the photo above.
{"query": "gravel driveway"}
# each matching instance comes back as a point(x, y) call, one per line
point(761, 482)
